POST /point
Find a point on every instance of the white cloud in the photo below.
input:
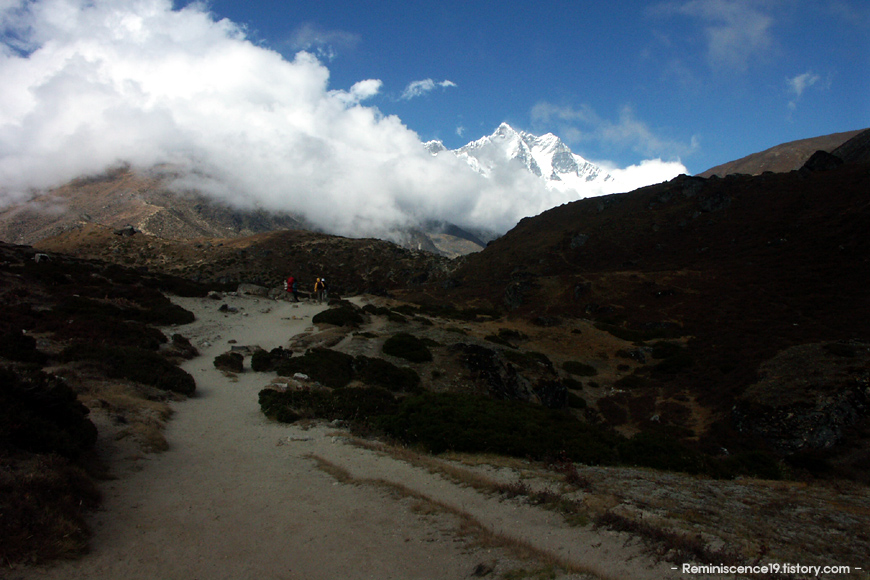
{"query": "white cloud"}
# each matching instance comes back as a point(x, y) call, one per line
point(800, 83)
point(89, 84)
point(419, 88)
point(104, 82)
point(582, 124)
point(578, 125)
point(737, 31)
point(324, 43)
point(647, 172)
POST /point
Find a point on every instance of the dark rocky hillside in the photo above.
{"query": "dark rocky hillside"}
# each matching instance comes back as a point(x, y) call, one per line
point(740, 271)
point(350, 266)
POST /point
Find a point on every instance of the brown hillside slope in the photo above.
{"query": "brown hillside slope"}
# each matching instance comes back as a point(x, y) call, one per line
point(124, 197)
point(781, 158)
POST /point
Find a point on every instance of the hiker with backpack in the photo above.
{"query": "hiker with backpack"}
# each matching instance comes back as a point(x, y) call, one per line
point(318, 290)
point(291, 286)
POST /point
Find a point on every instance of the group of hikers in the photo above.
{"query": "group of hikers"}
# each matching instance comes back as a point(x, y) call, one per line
point(321, 290)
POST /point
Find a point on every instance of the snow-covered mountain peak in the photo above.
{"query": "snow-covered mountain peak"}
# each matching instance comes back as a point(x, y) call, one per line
point(434, 147)
point(546, 157)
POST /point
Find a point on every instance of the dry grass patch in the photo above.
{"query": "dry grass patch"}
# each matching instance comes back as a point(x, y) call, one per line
point(479, 534)
point(144, 420)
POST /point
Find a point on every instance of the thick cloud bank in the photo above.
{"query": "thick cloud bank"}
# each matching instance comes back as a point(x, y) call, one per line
point(88, 84)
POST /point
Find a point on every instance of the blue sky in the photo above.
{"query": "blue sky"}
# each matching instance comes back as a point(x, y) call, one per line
point(703, 81)
point(321, 108)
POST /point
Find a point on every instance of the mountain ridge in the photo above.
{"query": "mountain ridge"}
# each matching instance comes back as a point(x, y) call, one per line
point(783, 157)
point(546, 157)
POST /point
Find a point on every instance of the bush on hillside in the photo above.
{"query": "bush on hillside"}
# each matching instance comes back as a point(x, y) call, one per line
point(474, 424)
point(343, 315)
point(575, 401)
point(408, 347)
point(265, 361)
point(17, 346)
point(579, 369)
point(358, 405)
point(528, 359)
point(39, 413)
point(134, 364)
point(43, 502)
point(632, 335)
point(381, 373)
point(328, 367)
point(230, 362)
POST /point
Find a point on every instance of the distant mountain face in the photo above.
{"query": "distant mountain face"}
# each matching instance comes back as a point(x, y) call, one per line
point(124, 197)
point(782, 158)
point(546, 157)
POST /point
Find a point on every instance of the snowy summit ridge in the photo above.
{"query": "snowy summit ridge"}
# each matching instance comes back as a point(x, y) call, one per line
point(547, 157)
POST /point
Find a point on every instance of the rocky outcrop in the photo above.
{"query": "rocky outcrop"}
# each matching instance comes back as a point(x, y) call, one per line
point(501, 379)
point(809, 395)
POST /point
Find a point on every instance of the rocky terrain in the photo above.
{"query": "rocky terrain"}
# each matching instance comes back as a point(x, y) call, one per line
point(739, 269)
point(665, 356)
point(350, 266)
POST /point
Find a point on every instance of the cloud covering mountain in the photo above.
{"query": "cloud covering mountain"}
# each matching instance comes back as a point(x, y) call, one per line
point(92, 84)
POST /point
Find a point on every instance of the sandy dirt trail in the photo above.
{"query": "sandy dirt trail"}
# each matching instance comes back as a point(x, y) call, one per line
point(238, 496)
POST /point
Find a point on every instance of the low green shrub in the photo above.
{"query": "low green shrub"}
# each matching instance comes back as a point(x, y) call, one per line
point(41, 414)
point(44, 500)
point(528, 359)
point(408, 347)
point(660, 451)
point(511, 334)
point(469, 423)
point(181, 345)
point(263, 361)
point(328, 367)
point(632, 335)
point(579, 369)
point(134, 364)
point(396, 317)
point(341, 316)
point(575, 401)
point(674, 364)
point(103, 330)
point(634, 382)
point(231, 362)
point(498, 340)
point(572, 383)
point(358, 405)
point(381, 373)
point(663, 349)
point(17, 346)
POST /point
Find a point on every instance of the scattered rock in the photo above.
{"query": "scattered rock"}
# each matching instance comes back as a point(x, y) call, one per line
point(578, 240)
point(253, 290)
point(126, 231)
